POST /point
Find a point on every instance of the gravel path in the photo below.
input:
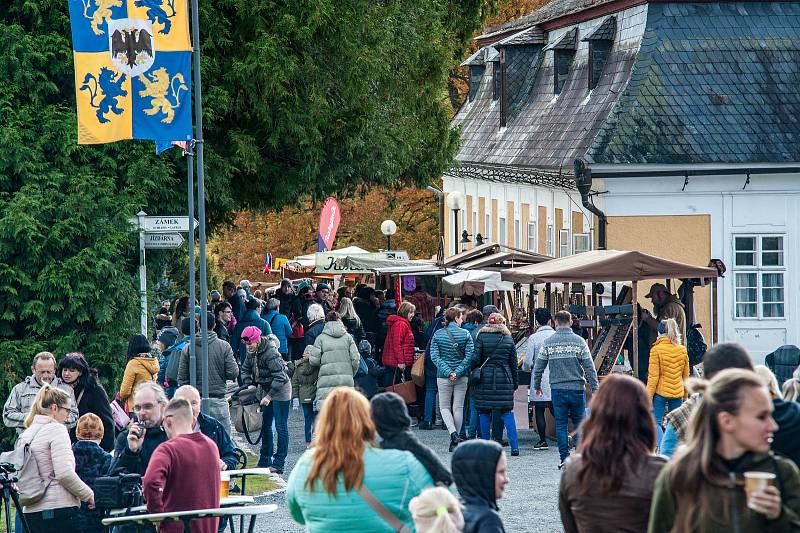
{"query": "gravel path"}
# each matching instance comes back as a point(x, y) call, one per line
point(530, 502)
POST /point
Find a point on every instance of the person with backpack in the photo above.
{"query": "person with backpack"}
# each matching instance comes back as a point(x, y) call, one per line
point(53, 505)
point(280, 325)
point(167, 341)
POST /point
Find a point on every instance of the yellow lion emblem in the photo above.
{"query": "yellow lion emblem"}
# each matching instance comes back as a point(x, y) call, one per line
point(157, 85)
point(101, 13)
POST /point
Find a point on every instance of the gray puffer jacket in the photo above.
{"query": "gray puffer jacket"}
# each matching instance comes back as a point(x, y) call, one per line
point(222, 365)
point(336, 354)
point(271, 375)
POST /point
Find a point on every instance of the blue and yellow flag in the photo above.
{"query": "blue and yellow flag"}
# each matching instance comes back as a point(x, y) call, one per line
point(132, 69)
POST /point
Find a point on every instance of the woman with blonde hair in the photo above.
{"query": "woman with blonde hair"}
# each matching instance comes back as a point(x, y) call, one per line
point(346, 483)
point(49, 442)
point(769, 380)
point(351, 320)
point(703, 488)
point(668, 368)
point(791, 390)
point(436, 510)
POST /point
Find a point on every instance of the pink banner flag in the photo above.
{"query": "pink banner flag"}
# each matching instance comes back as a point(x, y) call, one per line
point(328, 224)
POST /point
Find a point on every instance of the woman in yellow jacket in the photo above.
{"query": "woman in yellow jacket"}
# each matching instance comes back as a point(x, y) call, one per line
point(141, 367)
point(669, 367)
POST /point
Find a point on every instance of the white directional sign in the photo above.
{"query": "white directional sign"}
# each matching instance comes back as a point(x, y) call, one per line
point(163, 240)
point(167, 224)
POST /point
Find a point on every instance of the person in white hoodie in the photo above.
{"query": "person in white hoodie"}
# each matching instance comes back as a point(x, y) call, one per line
point(540, 403)
point(49, 441)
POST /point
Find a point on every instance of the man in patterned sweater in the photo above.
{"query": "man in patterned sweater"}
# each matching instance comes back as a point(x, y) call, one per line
point(571, 367)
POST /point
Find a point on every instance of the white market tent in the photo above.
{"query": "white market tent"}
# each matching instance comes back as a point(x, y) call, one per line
point(474, 282)
point(310, 260)
point(354, 263)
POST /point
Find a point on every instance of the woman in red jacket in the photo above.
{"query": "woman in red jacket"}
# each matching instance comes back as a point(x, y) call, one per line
point(398, 350)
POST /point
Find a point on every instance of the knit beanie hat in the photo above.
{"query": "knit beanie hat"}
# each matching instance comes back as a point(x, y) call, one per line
point(251, 334)
point(90, 427)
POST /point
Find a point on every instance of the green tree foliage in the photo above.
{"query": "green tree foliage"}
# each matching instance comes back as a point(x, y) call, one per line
point(321, 96)
point(301, 98)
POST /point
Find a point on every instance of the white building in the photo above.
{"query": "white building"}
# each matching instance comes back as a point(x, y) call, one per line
point(684, 121)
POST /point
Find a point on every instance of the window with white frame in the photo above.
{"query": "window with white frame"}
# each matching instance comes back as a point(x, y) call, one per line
point(532, 236)
point(759, 276)
point(549, 237)
point(581, 242)
point(502, 230)
point(564, 244)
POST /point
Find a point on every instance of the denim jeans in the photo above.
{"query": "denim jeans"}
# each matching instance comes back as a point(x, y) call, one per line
point(279, 411)
point(662, 406)
point(567, 405)
point(470, 426)
point(494, 421)
point(308, 419)
point(430, 396)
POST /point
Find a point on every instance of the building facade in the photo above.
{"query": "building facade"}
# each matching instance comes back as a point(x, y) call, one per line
point(681, 122)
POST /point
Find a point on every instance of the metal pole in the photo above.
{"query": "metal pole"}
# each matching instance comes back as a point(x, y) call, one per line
point(192, 276)
point(201, 199)
point(142, 275)
point(455, 234)
point(388, 243)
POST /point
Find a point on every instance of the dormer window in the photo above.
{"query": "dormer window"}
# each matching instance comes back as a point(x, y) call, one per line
point(600, 41)
point(563, 54)
point(475, 75)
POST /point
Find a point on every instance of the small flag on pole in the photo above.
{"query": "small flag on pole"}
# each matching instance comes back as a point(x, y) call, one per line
point(268, 263)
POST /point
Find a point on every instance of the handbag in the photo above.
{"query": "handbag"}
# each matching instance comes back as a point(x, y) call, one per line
point(118, 414)
point(388, 516)
point(475, 375)
point(406, 389)
point(418, 371)
point(247, 408)
point(30, 484)
point(297, 329)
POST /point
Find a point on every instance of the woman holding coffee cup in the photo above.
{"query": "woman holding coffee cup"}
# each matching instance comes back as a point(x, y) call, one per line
point(704, 488)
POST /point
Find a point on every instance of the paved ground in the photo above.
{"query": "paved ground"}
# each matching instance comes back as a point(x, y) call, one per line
point(530, 503)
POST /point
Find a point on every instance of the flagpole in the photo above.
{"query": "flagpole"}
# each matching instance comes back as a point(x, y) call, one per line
point(201, 198)
point(192, 276)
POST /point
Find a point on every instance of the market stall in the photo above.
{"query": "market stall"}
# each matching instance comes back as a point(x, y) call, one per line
point(474, 282)
point(620, 318)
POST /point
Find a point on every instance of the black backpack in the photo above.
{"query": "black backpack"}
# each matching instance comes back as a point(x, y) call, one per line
point(695, 345)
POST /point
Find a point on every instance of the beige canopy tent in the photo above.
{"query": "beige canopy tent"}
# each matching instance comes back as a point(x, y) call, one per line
point(608, 265)
point(605, 265)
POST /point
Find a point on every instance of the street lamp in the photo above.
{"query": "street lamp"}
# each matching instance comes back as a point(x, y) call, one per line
point(388, 228)
point(456, 201)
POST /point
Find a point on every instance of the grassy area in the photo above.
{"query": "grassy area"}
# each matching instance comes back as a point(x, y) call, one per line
point(257, 484)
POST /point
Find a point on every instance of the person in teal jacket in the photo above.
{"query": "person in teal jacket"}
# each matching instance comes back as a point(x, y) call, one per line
point(280, 326)
point(452, 352)
point(323, 492)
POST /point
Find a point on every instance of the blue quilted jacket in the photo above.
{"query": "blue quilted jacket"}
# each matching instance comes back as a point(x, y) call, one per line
point(445, 355)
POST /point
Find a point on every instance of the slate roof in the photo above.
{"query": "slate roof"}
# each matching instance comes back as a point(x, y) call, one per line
point(569, 41)
point(713, 83)
point(604, 32)
point(533, 35)
point(551, 10)
point(685, 83)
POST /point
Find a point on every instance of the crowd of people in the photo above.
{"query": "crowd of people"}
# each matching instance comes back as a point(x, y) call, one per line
point(674, 453)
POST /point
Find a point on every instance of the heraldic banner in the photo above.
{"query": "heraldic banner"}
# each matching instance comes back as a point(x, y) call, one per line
point(132, 69)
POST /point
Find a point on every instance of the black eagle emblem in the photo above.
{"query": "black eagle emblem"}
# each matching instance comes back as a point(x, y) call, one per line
point(133, 44)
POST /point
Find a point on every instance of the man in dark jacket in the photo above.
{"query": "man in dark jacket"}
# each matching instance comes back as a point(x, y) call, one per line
point(431, 389)
point(222, 366)
point(479, 470)
point(229, 292)
point(367, 310)
point(136, 445)
point(783, 362)
point(210, 427)
point(391, 418)
point(250, 318)
point(786, 441)
point(322, 295)
point(286, 296)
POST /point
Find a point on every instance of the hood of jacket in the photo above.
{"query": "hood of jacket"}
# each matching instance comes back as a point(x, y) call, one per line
point(335, 329)
point(494, 328)
point(198, 338)
point(474, 465)
point(251, 315)
point(390, 414)
point(393, 319)
point(150, 364)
